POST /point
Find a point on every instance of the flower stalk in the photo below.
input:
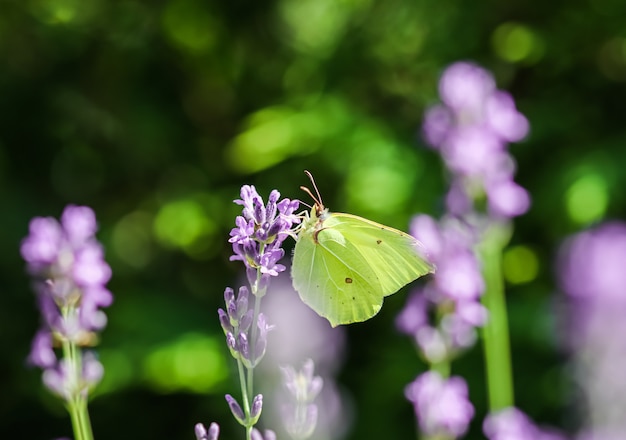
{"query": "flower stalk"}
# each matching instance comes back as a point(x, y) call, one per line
point(70, 274)
point(257, 242)
point(495, 332)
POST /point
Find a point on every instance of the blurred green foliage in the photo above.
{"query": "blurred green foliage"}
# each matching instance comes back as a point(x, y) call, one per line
point(154, 113)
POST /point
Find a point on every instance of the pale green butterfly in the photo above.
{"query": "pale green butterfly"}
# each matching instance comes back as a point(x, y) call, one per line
point(344, 265)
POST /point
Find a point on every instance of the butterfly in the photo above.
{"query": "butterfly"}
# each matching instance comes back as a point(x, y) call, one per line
point(344, 265)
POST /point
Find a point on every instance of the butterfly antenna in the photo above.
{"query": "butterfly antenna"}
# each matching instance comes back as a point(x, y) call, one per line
point(318, 199)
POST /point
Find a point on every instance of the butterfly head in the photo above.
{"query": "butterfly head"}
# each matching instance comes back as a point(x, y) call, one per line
point(317, 210)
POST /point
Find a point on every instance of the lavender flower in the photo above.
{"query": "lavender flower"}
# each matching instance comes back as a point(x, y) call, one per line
point(513, 424)
point(471, 129)
point(300, 413)
point(453, 292)
point(70, 275)
point(202, 433)
point(267, 435)
point(64, 381)
point(257, 241)
point(236, 323)
point(441, 405)
point(591, 273)
point(260, 232)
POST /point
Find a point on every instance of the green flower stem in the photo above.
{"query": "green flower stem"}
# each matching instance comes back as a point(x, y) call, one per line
point(496, 331)
point(244, 395)
point(77, 401)
point(247, 379)
point(77, 404)
point(442, 367)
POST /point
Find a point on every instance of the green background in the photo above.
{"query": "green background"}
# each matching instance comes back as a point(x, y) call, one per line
point(155, 113)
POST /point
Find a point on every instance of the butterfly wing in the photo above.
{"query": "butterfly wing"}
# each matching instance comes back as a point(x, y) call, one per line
point(395, 257)
point(345, 268)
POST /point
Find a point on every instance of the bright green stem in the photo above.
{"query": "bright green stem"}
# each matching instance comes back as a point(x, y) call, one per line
point(496, 331)
point(442, 367)
point(77, 404)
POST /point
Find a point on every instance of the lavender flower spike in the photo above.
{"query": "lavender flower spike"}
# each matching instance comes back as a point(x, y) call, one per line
point(299, 412)
point(471, 129)
point(70, 275)
point(259, 233)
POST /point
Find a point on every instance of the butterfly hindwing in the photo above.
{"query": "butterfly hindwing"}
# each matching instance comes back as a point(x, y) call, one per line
point(337, 283)
point(394, 256)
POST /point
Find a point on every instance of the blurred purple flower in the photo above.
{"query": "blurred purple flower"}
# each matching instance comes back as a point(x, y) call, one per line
point(299, 412)
point(471, 100)
point(70, 275)
point(69, 268)
point(451, 248)
point(441, 405)
point(452, 294)
point(471, 129)
point(64, 381)
point(591, 264)
point(513, 424)
point(591, 273)
point(260, 231)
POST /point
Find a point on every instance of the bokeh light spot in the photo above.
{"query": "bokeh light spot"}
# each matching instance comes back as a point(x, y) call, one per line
point(314, 26)
point(59, 12)
point(132, 239)
point(184, 224)
point(611, 59)
point(119, 370)
point(274, 134)
point(515, 43)
point(520, 264)
point(193, 363)
point(587, 199)
point(188, 25)
point(265, 142)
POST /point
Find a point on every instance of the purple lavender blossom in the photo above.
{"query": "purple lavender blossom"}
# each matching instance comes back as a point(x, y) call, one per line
point(451, 248)
point(267, 435)
point(235, 408)
point(300, 413)
point(591, 264)
point(441, 405)
point(471, 129)
point(65, 382)
point(453, 293)
point(591, 273)
point(236, 323)
point(202, 433)
point(513, 424)
point(70, 275)
point(260, 231)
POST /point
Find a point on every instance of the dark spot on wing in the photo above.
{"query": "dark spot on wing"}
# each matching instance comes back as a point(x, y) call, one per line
point(353, 298)
point(348, 280)
point(379, 241)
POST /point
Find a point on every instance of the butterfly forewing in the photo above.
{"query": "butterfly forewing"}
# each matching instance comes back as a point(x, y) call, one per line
point(394, 256)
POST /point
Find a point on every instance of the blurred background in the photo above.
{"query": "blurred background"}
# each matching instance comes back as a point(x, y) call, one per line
point(154, 113)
